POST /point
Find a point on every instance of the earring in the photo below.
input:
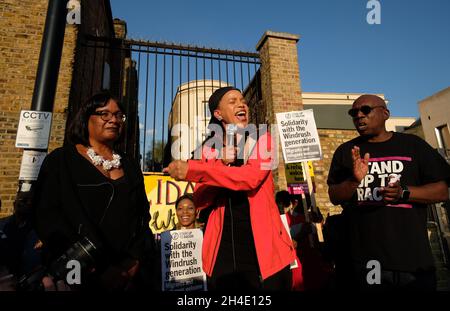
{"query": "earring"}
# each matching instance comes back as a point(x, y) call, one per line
point(219, 118)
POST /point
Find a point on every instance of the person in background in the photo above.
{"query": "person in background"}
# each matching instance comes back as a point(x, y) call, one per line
point(19, 246)
point(186, 213)
point(285, 207)
point(284, 203)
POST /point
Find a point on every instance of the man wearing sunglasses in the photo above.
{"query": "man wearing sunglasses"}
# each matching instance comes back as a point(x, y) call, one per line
point(384, 181)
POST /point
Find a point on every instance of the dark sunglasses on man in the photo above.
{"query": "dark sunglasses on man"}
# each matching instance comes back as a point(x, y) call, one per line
point(364, 109)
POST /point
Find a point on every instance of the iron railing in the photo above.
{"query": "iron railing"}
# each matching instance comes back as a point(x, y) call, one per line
point(162, 84)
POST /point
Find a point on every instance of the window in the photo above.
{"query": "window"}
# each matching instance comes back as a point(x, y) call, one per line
point(443, 138)
point(207, 112)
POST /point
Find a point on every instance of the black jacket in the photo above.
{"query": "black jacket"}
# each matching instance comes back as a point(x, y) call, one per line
point(66, 182)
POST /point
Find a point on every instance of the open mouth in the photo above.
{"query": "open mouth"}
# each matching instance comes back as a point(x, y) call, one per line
point(361, 126)
point(241, 115)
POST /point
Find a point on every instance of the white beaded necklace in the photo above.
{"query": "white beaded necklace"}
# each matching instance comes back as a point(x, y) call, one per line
point(99, 160)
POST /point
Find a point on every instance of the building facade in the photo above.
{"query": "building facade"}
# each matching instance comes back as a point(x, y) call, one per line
point(189, 117)
point(435, 116)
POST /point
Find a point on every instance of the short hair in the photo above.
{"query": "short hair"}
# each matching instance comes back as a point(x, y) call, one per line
point(283, 197)
point(78, 132)
point(24, 195)
point(188, 196)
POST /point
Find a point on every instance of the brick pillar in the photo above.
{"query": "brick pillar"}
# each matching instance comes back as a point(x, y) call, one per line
point(280, 83)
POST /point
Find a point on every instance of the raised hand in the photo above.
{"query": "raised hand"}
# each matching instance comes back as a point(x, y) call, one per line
point(360, 165)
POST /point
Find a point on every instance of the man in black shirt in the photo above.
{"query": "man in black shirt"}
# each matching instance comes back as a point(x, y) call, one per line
point(385, 219)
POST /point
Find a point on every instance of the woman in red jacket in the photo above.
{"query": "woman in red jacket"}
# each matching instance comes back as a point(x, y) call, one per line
point(245, 244)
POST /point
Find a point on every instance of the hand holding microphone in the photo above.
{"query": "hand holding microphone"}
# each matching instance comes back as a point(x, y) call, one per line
point(229, 150)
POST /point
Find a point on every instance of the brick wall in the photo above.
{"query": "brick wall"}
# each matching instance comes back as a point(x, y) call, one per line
point(329, 140)
point(21, 28)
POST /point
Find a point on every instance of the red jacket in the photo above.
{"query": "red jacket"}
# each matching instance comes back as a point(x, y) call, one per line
point(274, 248)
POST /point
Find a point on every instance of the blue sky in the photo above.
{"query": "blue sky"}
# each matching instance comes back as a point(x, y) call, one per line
point(406, 57)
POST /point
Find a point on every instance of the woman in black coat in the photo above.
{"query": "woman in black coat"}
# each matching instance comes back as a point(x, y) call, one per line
point(88, 192)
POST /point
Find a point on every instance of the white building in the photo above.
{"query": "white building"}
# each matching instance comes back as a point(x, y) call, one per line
point(435, 116)
point(190, 115)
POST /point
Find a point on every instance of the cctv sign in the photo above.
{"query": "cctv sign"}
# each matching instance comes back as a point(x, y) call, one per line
point(34, 129)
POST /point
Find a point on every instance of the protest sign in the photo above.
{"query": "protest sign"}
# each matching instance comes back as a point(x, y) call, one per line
point(299, 136)
point(181, 259)
point(296, 178)
point(162, 192)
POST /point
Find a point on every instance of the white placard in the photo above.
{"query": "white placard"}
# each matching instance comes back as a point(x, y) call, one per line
point(181, 260)
point(31, 164)
point(293, 264)
point(299, 136)
point(34, 129)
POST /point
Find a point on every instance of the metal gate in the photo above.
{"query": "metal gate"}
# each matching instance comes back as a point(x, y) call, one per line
point(162, 85)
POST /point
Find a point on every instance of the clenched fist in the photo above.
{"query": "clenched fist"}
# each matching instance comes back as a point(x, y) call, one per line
point(177, 169)
point(229, 155)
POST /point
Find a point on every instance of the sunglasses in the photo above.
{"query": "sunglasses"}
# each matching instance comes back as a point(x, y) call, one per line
point(364, 109)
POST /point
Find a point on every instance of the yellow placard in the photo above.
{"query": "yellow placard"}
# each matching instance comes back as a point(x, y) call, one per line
point(162, 192)
point(294, 172)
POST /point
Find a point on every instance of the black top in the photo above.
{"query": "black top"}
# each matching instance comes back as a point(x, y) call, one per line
point(395, 235)
point(237, 235)
point(237, 246)
point(113, 218)
point(236, 266)
point(73, 199)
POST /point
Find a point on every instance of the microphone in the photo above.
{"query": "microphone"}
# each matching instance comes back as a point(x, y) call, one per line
point(231, 134)
point(231, 131)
